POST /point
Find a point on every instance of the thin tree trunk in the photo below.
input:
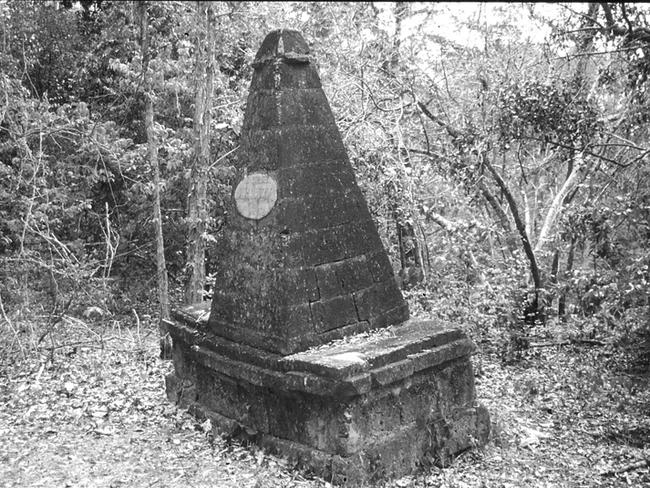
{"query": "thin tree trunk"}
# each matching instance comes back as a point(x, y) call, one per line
point(555, 268)
point(412, 263)
point(407, 229)
point(400, 242)
point(558, 201)
point(521, 229)
point(512, 205)
point(528, 214)
point(400, 11)
point(561, 304)
point(197, 212)
point(494, 205)
point(152, 154)
point(152, 151)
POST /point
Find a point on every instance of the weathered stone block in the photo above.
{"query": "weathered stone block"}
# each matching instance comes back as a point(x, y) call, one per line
point(305, 108)
point(291, 76)
point(353, 274)
point(300, 284)
point(307, 213)
point(305, 145)
point(322, 246)
point(263, 108)
point(396, 315)
point(297, 320)
point(320, 177)
point(360, 433)
point(360, 238)
point(265, 156)
point(377, 298)
point(334, 312)
point(380, 266)
point(328, 282)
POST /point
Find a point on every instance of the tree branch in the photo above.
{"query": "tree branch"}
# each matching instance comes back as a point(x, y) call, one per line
point(494, 204)
point(454, 133)
point(521, 229)
point(583, 150)
point(608, 14)
point(556, 205)
point(641, 34)
point(628, 467)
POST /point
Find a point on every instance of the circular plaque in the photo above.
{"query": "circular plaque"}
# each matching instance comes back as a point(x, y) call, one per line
point(255, 195)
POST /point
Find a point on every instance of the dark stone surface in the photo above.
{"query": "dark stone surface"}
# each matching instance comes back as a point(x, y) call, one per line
point(307, 342)
point(382, 424)
point(383, 357)
point(334, 312)
point(304, 271)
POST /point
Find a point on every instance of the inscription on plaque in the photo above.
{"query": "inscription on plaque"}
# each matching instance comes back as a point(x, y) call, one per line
point(255, 195)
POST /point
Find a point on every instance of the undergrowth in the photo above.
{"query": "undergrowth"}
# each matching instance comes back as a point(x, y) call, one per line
point(83, 404)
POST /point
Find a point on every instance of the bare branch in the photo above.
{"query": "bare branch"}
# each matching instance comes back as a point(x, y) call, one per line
point(590, 153)
point(587, 17)
point(558, 201)
point(454, 133)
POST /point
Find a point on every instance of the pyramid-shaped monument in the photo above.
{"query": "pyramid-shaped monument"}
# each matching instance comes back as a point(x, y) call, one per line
point(307, 345)
point(300, 260)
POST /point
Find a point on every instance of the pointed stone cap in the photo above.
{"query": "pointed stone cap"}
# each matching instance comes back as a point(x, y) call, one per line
point(300, 261)
point(282, 44)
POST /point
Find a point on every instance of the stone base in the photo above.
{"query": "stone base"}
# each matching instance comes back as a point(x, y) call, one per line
point(371, 407)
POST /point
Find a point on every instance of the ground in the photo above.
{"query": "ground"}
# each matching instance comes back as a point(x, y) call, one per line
point(94, 414)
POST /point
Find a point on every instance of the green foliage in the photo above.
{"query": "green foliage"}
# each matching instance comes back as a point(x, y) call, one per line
point(73, 157)
point(556, 113)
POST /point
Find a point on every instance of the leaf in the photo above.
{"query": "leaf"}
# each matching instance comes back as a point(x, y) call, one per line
point(69, 387)
point(404, 482)
point(106, 430)
point(206, 426)
point(99, 412)
point(532, 437)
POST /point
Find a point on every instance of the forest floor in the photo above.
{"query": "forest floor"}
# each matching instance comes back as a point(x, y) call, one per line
point(94, 414)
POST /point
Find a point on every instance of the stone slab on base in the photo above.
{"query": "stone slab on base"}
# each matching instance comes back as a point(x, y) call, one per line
point(369, 407)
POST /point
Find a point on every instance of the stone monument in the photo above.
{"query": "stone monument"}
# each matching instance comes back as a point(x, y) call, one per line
point(307, 344)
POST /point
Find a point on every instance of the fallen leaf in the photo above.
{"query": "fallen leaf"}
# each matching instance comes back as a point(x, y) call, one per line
point(107, 430)
point(532, 437)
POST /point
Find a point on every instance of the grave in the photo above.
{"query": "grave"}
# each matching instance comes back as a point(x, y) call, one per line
point(307, 345)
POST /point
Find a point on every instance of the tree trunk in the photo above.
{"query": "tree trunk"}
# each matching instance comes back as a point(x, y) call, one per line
point(561, 303)
point(411, 260)
point(152, 143)
point(528, 214)
point(521, 229)
point(197, 212)
point(534, 305)
point(400, 11)
point(400, 242)
point(558, 201)
point(555, 268)
point(152, 154)
point(494, 205)
point(454, 133)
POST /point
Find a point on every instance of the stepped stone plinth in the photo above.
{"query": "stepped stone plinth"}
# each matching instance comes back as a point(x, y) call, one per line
point(307, 345)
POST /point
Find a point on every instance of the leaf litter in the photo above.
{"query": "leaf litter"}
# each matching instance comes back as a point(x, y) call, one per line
point(99, 418)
